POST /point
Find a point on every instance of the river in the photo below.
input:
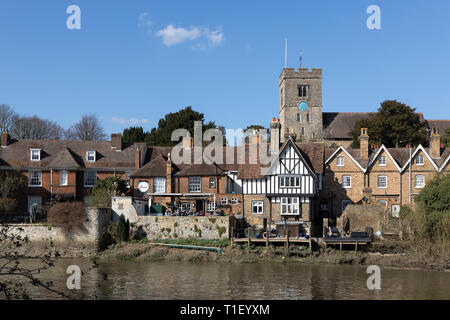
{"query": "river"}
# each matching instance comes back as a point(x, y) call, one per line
point(172, 280)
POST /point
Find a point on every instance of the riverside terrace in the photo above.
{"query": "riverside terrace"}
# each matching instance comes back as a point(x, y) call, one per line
point(306, 183)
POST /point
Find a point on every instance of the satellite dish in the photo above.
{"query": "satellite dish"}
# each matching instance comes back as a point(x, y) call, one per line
point(143, 186)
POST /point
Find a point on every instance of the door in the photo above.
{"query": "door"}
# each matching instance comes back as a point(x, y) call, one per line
point(34, 202)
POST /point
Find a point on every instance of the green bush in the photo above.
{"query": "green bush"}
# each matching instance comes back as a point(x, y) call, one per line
point(436, 194)
point(405, 212)
point(104, 189)
point(7, 205)
point(123, 229)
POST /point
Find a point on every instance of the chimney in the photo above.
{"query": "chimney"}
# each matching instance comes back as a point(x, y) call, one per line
point(255, 138)
point(364, 144)
point(116, 141)
point(435, 144)
point(188, 142)
point(5, 139)
point(137, 158)
point(169, 174)
point(275, 127)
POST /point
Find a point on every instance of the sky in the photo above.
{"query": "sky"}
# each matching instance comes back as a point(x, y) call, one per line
point(134, 61)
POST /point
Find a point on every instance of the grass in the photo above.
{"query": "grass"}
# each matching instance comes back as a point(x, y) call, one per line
point(222, 243)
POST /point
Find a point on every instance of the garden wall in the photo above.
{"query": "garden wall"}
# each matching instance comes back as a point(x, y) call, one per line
point(97, 220)
point(163, 227)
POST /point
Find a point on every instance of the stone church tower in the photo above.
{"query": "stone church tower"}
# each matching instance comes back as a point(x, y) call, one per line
point(301, 104)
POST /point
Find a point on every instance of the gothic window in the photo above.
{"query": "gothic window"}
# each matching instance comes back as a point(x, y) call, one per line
point(303, 131)
point(302, 91)
point(299, 117)
point(307, 117)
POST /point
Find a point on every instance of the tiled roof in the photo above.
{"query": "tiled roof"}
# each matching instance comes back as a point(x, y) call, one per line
point(17, 154)
point(441, 125)
point(154, 168)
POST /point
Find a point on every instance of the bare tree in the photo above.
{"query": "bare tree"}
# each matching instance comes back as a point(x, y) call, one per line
point(88, 128)
point(36, 128)
point(7, 117)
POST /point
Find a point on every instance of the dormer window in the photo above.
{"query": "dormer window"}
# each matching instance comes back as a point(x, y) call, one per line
point(35, 154)
point(382, 161)
point(340, 161)
point(90, 156)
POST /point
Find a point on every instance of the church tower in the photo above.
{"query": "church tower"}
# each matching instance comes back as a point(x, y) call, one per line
point(301, 104)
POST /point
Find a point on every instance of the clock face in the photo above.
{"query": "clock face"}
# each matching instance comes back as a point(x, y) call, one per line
point(303, 106)
point(143, 186)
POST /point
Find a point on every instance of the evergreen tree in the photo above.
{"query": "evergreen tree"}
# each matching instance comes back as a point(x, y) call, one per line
point(395, 124)
point(134, 134)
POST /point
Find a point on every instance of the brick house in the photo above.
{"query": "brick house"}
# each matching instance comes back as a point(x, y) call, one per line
point(58, 169)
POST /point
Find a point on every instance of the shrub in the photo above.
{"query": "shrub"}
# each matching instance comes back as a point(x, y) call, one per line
point(405, 212)
point(123, 229)
point(7, 205)
point(69, 216)
point(435, 196)
point(104, 189)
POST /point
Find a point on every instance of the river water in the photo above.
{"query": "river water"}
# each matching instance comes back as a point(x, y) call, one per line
point(172, 280)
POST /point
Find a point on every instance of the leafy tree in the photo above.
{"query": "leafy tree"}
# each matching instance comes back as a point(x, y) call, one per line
point(445, 139)
point(104, 189)
point(183, 119)
point(394, 124)
point(7, 117)
point(435, 196)
point(134, 134)
point(88, 128)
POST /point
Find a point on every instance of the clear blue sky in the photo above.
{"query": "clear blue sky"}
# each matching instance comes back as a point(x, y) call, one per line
point(143, 59)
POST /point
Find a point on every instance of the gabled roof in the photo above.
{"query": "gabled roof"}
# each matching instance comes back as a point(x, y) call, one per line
point(375, 157)
point(154, 168)
point(420, 148)
point(341, 148)
point(447, 160)
point(64, 159)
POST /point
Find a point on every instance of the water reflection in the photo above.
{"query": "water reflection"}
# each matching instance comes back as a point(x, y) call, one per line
point(169, 280)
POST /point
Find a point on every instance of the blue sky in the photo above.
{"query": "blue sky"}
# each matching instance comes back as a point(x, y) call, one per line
point(134, 61)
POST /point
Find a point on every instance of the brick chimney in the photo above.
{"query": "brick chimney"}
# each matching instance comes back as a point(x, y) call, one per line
point(137, 158)
point(116, 141)
point(169, 174)
point(435, 144)
point(364, 144)
point(255, 138)
point(5, 139)
point(275, 128)
point(188, 142)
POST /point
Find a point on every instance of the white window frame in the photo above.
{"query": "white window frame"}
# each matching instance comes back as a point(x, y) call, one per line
point(213, 184)
point(234, 201)
point(35, 152)
point(31, 178)
point(195, 184)
point(384, 203)
point(421, 162)
point(86, 173)
point(257, 207)
point(286, 182)
point(416, 185)
point(345, 203)
point(159, 184)
point(211, 206)
point(290, 206)
point(382, 163)
point(340, 162)
point(223, 201)
point(378, 182)
point(346, 184)
point(90, 154)
point(62, 174)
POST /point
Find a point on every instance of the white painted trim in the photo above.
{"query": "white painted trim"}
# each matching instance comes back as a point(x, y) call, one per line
point(420, 147)
point(445, 163)
point(349, 155)
point(390, 157)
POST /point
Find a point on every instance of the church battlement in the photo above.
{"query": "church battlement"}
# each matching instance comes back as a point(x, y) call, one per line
point(315, 73)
